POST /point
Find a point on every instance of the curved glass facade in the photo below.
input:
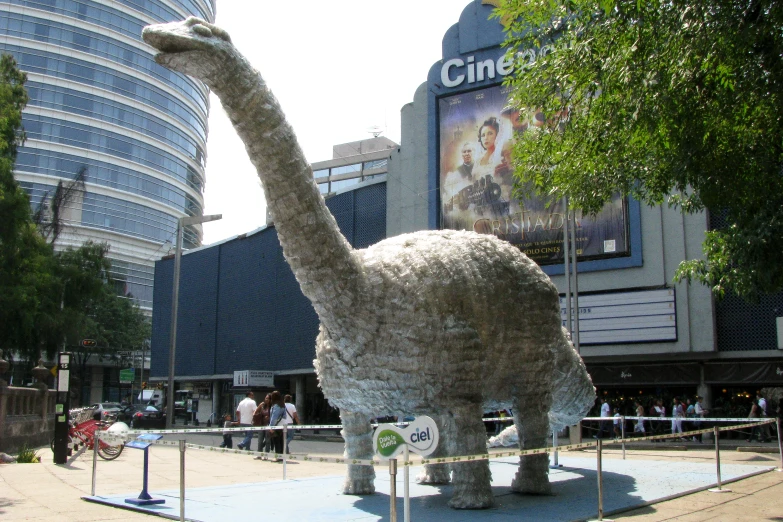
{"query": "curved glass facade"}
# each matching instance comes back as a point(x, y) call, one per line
point(99, 104)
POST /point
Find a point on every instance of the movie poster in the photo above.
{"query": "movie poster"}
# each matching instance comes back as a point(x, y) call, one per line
point(476, 133)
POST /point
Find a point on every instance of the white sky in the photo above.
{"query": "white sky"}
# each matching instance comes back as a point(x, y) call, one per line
point(337, 68)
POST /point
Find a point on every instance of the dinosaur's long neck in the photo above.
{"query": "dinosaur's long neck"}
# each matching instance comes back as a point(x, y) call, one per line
point(321, 258)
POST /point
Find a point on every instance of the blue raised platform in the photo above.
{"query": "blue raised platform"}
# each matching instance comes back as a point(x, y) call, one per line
point(627, 484)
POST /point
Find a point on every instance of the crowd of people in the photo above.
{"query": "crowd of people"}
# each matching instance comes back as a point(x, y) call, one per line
point(680, 417)
point(275, 410)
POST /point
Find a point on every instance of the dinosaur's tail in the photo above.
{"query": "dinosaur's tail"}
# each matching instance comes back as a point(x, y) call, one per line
point(573, 393)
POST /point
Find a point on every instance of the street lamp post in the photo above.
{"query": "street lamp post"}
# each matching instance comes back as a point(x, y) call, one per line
point(181, 223)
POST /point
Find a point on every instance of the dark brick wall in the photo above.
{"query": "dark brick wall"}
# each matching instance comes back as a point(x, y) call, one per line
point(240, 306)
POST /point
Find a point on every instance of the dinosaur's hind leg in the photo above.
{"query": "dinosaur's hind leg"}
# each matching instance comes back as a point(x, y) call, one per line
point(531, 417)
point(357, 433)
point(466, 435)
point(437, 473)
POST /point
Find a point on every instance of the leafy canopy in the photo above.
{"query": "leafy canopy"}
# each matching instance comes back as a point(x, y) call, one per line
point(50, 299)
point(676, 101)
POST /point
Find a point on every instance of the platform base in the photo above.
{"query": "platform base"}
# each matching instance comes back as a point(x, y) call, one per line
point(144, 501)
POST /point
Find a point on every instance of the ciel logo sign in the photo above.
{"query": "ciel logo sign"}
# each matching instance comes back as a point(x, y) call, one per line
point(421, 436)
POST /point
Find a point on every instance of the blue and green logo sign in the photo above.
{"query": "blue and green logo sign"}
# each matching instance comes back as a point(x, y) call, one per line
point(421, 436)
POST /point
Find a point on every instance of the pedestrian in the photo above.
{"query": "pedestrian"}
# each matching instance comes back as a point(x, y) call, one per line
point(657, 410)
point(690, 414)
point(245, 411)
point(261, 418)
point(677, 415)
point(603, 426)
point(617, 421)
point(701, 412)
point(755, 413)
point(291, 418)
point(276, 414)
point(765, 432)
point(228, 422)
point(639, 426)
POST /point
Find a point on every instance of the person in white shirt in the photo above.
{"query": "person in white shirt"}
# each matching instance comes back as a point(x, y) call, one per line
point(603, 427)
point(762, 402)
point(678, 413)
point(291, 417)
point(701, 411)
point(245, 410)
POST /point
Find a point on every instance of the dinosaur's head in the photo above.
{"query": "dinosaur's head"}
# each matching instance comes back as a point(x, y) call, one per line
point(186, 44)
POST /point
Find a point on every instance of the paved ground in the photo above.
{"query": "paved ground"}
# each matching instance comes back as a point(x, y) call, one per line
point(54, 493)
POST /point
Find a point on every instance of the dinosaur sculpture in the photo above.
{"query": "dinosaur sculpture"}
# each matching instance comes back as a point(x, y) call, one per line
point(444, 323)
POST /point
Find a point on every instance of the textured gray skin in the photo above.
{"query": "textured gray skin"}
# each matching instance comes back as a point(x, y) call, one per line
point(443, 323)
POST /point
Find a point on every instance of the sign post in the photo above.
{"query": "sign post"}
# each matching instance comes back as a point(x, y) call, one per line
point(420, 436)
point(61, 408)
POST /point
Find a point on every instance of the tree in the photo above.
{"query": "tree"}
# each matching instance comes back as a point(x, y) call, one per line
point(115, 323)
point(26, 261)
point(676, 102)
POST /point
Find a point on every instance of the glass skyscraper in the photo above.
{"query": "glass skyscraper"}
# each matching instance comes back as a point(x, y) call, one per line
point(100, 105)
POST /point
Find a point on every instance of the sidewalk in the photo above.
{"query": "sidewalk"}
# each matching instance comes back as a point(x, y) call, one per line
point(49, 493)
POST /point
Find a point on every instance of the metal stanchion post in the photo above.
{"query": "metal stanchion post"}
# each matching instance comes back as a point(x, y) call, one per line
point(182, 480)
point(622, 431)
point(393, 490)
point(95, 458)
point(405, 473)
point(719, 489)
point(555, 463)
point(285, 449)
point(600, 481)
point(780, 446)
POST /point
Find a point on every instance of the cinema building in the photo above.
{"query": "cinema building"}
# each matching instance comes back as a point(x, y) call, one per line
point(244, 322)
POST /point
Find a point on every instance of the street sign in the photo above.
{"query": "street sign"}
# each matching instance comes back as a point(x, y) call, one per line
point(127, 375)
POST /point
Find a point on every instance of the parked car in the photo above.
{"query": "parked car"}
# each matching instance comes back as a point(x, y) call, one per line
point(146, 416)
point(103, 410)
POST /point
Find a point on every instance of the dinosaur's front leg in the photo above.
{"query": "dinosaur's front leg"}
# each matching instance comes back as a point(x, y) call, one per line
point(438, 473)
point(357, 433)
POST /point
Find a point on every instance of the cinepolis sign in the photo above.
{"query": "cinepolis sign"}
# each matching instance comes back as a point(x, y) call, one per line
point(456, 71)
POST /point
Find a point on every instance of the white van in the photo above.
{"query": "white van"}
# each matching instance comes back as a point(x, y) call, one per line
point(154, 397)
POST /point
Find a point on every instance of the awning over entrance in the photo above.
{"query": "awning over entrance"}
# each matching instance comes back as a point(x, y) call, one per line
point(645, 374)
point(766, 373)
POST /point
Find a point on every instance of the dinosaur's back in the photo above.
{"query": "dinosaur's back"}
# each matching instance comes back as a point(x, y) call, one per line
point(462, 315)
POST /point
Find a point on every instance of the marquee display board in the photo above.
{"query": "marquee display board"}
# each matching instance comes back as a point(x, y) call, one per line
point(474, 128)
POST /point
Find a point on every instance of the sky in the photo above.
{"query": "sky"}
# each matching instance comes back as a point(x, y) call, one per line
point(337, 68)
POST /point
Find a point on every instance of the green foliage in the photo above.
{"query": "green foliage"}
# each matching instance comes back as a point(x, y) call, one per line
point(51, 300)
point(676, 102)
point(27, 455)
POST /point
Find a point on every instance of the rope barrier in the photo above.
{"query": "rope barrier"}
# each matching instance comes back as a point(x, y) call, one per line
point(122, 437)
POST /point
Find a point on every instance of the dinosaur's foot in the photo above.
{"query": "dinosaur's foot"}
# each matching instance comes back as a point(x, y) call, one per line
point(474, 498)
point(359, 481)
point(435, 474)
point(532, 478)
point(472, 488)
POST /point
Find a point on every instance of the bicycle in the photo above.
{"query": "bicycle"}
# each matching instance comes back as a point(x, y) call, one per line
point(82, 434)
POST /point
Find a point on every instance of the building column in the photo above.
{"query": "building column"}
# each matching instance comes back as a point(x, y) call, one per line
point(216, 403)
point(300, 397)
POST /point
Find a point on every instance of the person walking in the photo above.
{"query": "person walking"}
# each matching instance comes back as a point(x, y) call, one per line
point(677, 413)
point(290, 418)
point(276, 415)
point(228, 441)
point(603, 426)
point(755, 413)
point(245, 411)
point(762, 402)
point(656, 412)
point(701, 412)
point(261, 418)
point(639, 426)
